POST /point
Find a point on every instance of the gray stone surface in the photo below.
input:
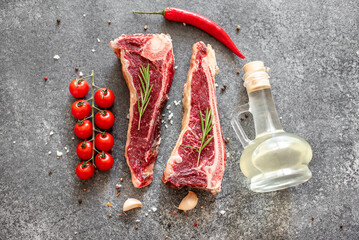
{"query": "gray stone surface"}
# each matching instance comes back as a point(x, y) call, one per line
point(312, 48)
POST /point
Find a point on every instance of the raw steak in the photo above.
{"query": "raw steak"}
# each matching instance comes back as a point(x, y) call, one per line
point(198, 95)
point(142, 145)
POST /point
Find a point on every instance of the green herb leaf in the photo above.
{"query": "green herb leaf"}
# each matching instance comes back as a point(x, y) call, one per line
point(145, 91)
point(207, 126)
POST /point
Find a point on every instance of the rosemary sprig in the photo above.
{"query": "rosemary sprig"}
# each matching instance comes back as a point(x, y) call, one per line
point(207, 126)
point(145, 90)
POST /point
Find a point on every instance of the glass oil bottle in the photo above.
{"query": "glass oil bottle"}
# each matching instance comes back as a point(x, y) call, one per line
point(275, 159)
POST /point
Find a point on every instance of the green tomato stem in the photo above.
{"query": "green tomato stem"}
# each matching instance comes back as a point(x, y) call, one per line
point(93, 116)
point(94, 107)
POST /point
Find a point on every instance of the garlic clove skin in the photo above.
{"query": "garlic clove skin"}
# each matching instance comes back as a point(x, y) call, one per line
point(189, 202)
point(131, 203)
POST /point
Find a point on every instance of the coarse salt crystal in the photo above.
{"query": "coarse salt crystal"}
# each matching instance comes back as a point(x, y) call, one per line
point(51, 133)
point(171, 122)
point(59, 154)
point(49, 152)
point(175, 67)
point(154, 209)
point(73, 138)
point(162, 121)
point(146, 214)
point(14, 142)
point(56, 57)
point(65, 148)
point(163, 115)
point(118, 185)
point(81, 74)
point(84, 15)
point(128, 116)
point(93, 50)
point(170, 116)
point(184, 24)
point(137, 221)
point(222, 212)
point(216, 84)
point(166, 126)
point(98, 40)
point(168, 106)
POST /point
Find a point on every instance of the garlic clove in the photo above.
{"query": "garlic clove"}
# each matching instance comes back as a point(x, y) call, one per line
point(131, 203)
point(189, 202)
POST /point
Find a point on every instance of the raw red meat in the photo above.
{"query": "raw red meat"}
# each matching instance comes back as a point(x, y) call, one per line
point(142, 145)
point(198, 95)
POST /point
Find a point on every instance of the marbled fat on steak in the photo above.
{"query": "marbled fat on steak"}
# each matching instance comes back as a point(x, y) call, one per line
point(199, 94)
point(142, 145)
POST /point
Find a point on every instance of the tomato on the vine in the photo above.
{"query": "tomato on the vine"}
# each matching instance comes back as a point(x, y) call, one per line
point(85, 170)
point(83, 129)
point(79, 87)
point(84, 150)
point(104, 119)
point(104, 161)
point(104, 142)
point(81, 109)
point(104, 98)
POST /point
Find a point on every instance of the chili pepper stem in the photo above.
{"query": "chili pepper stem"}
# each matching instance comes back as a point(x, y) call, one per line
point(161, 12)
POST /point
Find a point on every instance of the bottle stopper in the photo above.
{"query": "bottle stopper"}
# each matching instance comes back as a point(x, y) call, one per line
point(256, 76)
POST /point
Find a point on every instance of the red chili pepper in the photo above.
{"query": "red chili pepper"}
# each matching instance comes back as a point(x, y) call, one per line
point(201, 22)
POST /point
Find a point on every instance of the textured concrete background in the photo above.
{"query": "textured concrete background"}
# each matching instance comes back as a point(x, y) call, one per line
point(313, 51)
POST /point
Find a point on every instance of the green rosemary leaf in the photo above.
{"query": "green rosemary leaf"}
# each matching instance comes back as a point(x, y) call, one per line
point(203, 129)
point(138, 100)
point(209, 129)
point(146, 104)
point(207, 126)
point(189, 147)
point(205, 144)
point(142, 83)
point(145, 91)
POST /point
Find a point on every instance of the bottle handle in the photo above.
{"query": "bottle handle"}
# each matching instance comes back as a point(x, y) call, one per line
point(242, 136)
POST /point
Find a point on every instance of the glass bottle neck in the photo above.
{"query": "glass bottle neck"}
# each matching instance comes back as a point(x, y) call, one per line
point(264, 112)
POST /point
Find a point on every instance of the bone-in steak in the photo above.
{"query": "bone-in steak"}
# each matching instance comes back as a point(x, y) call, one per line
point(199, 95)
point(142, 145)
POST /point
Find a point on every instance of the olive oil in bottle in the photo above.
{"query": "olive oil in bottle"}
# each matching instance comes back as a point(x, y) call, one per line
point(275, 159)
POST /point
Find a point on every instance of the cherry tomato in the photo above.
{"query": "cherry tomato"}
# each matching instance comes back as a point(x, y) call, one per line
point(85, 170)
point(104, 98)
point(104, 119)
point(104, 142)
point(81, 109)
point(104, 161)
point(84, 130)
point(84, 150)
point(79, 88)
